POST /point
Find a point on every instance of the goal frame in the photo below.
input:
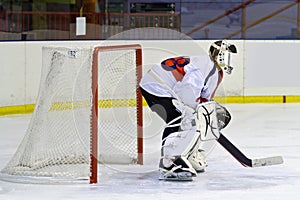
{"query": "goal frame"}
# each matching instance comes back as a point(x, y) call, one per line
point(94, 107)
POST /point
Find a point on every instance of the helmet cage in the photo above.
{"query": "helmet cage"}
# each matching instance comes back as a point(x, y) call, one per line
point(223, 54)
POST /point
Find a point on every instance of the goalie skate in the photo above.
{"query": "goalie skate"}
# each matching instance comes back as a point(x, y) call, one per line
point(179, 170)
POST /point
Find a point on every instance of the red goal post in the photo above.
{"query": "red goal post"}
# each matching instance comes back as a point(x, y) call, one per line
point(94, 111)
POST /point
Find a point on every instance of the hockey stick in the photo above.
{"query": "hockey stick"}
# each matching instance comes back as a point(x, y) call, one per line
point(223, 141)
point(244, 160)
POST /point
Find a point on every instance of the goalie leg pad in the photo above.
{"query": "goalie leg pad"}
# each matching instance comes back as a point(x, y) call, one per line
point(178, 146)
point(181, 143)
point(198, 160)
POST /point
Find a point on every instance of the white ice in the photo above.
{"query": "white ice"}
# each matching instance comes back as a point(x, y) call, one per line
point(259, 130)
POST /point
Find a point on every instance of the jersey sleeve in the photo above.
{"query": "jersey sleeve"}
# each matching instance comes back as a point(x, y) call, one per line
point(189, 89)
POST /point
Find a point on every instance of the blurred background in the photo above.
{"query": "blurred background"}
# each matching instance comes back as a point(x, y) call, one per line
point(199, 19)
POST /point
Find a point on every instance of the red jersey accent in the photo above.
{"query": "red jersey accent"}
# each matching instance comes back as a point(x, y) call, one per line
point(219, 81)
point(200, 99)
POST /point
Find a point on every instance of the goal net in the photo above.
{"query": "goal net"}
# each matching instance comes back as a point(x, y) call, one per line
point(89, 110)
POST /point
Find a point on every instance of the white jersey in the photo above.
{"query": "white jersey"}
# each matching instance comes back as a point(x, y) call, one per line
point(194, 79)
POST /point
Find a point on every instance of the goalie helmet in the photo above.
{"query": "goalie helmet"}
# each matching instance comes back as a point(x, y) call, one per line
point(220, 52)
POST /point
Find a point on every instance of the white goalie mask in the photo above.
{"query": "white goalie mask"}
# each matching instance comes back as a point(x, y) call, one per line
point(224, 52)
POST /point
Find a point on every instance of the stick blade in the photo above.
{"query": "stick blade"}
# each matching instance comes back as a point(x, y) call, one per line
point(276, 160)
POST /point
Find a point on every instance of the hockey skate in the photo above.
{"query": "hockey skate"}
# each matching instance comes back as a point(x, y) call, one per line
point(179, 169)
point(198, 160)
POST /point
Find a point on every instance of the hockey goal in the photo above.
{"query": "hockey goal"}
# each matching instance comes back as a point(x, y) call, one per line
point(89, 110)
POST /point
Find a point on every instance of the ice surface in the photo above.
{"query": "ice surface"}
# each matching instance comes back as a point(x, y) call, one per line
point(259, 130)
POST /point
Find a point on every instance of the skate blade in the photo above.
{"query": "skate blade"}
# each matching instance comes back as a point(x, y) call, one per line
point(182, 176)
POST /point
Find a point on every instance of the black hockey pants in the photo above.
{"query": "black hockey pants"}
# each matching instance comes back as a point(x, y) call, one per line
point(164, 107)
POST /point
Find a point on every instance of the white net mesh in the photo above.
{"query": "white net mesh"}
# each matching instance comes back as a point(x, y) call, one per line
point(117, 111)
point(57, 141)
